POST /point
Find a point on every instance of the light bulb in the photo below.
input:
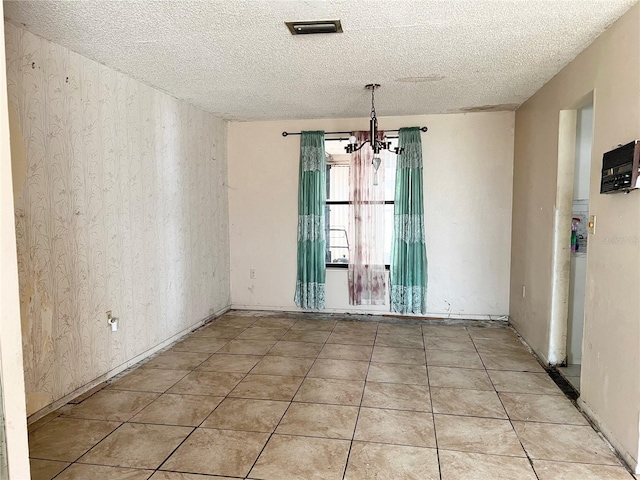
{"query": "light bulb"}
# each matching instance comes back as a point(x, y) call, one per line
point(352, 140)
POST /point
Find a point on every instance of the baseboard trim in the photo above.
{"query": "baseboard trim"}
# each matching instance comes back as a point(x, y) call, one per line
point(428, 315)
point(120, 368)
point(608, 435)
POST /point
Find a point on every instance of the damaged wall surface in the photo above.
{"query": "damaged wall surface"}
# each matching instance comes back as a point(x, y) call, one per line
point(468, 166)
point(120, 204)
point(610, 383)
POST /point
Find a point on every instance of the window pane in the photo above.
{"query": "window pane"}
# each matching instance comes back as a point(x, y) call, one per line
point(338, 237)
point(388, 233)
point(389, 162)
point(338, 182)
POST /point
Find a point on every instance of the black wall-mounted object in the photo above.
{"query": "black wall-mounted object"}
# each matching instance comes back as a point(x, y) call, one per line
point(314, 27)
point(621, 168)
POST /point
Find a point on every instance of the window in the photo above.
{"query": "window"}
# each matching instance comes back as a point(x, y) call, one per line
point(337, 209)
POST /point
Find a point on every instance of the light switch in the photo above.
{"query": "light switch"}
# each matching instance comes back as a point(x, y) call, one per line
point(592, 224)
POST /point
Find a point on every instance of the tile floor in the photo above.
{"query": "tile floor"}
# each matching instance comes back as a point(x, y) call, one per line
point(260, 396)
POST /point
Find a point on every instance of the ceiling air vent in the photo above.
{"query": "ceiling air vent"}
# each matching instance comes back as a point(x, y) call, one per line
point(318, 26)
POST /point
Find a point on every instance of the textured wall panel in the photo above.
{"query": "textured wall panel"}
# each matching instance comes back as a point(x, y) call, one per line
point(124, 208)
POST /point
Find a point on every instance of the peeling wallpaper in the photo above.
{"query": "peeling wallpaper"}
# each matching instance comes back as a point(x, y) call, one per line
point(123, 207)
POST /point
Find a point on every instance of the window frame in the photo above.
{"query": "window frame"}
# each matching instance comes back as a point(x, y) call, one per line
point(328, 203)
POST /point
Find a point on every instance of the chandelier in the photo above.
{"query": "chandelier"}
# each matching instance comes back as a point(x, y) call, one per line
point(376, 144)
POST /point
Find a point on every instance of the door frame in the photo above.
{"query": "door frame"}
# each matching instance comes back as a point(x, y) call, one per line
point(563, 212)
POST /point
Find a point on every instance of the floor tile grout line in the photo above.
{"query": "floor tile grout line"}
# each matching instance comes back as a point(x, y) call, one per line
point(363, 441)
point(104, 465)
point(507, 418)
point(195, 428)
point(189, 371)
point(57, 475)
point(287, 409)
point(433, 415)
point(225, 397)
point(234, 477)
point(530, 460)
point(445, 414)
point(364, 388)
point(374, 346)
point(375, 442)
point(484, 453)
point(61, 471)
point(94, 446)
point(367, 406)
point(263, 356)
point(362, 394)
point(166, 392)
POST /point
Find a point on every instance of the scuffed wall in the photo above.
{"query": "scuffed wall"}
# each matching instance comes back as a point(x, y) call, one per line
point(468, 172)
point(610, 380)
point(123, 207)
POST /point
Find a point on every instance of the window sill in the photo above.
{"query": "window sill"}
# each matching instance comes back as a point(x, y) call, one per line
point(344, 266)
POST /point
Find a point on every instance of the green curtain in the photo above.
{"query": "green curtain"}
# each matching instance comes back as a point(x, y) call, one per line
point(311, 222)
point(408, 277)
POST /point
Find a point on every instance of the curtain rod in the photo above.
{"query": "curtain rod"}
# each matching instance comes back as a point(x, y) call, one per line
point(286, 134)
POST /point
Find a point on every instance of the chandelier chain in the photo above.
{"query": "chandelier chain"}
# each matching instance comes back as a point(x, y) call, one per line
point(373, 104)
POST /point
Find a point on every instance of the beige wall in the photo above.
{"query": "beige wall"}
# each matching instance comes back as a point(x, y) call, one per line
point(13, 409)
point(611, 365)
point(468, 189)
point(121, 206)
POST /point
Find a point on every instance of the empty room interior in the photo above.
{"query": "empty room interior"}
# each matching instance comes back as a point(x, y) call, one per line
point(340, 240)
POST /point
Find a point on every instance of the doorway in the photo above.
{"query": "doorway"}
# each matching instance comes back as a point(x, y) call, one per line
point(578, 263)
point(570, 243)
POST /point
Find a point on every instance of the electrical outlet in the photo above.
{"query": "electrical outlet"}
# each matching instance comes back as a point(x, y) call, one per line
point(252, 274)
point(524, 291)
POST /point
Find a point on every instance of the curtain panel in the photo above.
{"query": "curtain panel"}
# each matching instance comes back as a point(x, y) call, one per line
point(408, 276)
point(367, 283)
point(310, 282)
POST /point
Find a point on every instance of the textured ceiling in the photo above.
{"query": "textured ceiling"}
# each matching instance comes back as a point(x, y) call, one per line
point(237, 59)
